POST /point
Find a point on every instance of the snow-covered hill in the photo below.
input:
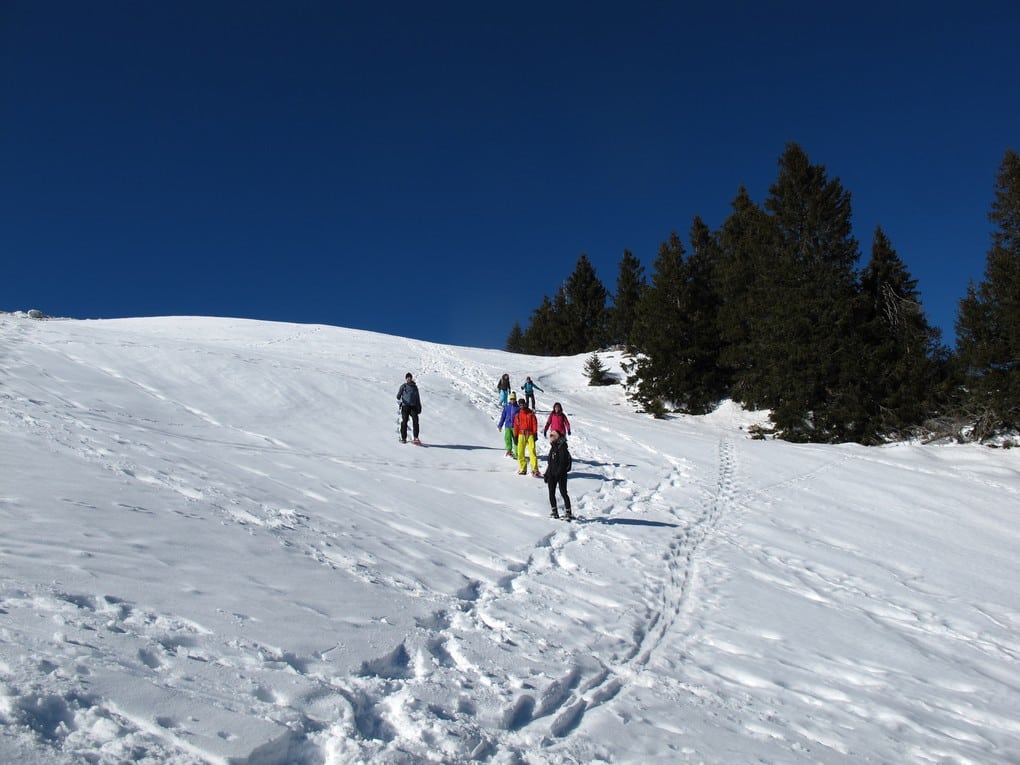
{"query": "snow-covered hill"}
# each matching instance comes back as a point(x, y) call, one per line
point(213, 550)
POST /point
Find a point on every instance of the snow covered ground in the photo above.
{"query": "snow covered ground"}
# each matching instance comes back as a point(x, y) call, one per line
point(213, 550)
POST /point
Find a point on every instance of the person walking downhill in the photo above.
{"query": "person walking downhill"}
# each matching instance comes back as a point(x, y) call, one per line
point(410, 406)
point(529, 389)
point(556, 473)
point(557, 420)
point(526, 428)
point(506, 424)
point(504, 387)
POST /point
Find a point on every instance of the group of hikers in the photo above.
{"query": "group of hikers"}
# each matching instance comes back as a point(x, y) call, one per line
point(519, 425)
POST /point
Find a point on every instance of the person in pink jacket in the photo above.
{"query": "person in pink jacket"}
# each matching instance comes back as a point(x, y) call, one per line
point(557, 420)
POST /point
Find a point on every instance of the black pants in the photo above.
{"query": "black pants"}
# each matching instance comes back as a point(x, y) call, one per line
point(529, 398)
point(562, 483)
point(405, 412)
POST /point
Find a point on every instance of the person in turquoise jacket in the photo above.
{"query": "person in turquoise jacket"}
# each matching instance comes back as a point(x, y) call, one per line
point(529, 389)
point(506, 424)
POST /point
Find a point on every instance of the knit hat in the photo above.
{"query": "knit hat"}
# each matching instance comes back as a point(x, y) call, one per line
point(513, 395)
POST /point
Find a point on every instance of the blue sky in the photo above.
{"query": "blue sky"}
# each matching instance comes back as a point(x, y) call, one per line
point(431, 170)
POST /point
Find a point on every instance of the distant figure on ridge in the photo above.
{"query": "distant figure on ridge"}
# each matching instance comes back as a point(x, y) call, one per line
point(410, 406)
point(504, 387)
point(529, 389)
point(526, 428)
point(557, 420)
point(506, 424)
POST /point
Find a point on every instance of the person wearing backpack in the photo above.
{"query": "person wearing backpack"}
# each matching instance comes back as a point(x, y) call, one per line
point(529, 389)
point(504, 387)
point(557, 420)
point(556, 470)
point(410, 406)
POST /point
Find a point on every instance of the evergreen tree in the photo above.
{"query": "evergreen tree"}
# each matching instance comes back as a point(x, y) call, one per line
point(746, 241)
point(550, 332)
point(515, 341)
point(804, 332)
point(706, 380)
point(585, 312)
point(597, 372)
point(676, 329)
point(658, 325)
point(988, 322)
point(630, 284)
point(897, 374)
point(538, 336)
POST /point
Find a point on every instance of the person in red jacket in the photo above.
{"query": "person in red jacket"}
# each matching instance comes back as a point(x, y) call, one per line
point(557, 420)
point(525, 429)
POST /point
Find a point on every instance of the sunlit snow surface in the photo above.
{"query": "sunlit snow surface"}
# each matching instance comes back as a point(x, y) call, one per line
point(214, 550)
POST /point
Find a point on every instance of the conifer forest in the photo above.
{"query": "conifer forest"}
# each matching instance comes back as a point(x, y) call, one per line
point(782, 309)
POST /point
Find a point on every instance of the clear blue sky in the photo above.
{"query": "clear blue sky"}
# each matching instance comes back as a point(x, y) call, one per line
point(432, 170)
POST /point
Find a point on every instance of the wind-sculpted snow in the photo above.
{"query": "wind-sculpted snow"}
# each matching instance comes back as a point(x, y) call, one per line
point(214, 550)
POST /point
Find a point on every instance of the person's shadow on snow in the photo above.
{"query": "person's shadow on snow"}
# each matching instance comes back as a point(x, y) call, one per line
point(633, 522)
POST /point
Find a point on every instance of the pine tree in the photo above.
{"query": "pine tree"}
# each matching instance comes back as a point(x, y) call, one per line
point(596, 371)
point(538, 337)
point(804, 333)
point(746, 241)
point(515, 341)
point(676, 329)
point(630, 284)
point(707, 381)
point(585, 311)
point(897, 370)
point(988, 322)
point(658, 324)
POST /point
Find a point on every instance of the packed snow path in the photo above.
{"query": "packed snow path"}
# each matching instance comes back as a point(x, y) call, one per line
point(215, 550)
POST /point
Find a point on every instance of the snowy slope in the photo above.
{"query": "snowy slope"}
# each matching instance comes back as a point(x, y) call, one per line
point(213, 550)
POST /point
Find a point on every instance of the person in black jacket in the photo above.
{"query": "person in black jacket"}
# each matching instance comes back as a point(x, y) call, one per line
point(556, 470)
point(410, 406)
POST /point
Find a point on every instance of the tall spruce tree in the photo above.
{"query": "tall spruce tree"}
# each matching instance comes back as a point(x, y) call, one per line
point(988, 322)
point(585, 310)
point(804, 331)
point(707, 381)
point(515, 340)
point(538, 337)
point(653, 375)
point(630, 284)
point(897, 371)
point(746, 243)
point(676, 329)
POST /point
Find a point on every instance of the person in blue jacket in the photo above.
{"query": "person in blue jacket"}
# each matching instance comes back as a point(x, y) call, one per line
point(506, 424)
